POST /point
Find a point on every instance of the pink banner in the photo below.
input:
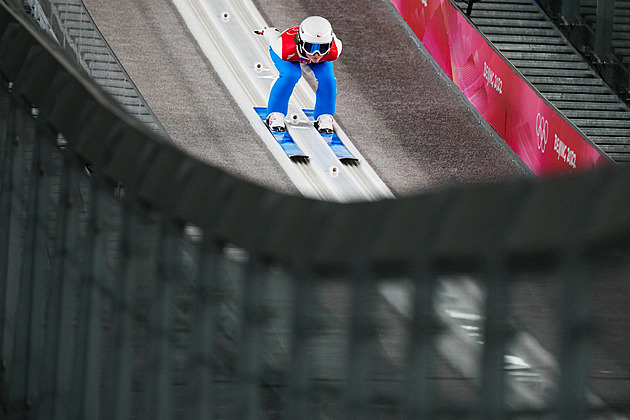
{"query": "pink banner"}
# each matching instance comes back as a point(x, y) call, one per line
point(539, 136)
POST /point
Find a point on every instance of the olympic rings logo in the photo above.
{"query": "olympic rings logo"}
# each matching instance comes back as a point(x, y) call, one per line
point(542, 132)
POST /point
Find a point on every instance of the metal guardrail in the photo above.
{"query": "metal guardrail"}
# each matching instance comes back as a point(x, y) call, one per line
point(192, 293)
point(530, 41)
point(593, 36)
point(71, 24)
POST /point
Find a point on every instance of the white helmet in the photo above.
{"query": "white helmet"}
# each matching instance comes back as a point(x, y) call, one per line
point(315, 35)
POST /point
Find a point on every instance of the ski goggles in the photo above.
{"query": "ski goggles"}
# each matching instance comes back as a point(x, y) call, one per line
point(312, 48)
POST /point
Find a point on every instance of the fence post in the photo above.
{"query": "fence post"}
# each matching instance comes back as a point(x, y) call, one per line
point(249, 357)
point(201, 387)
point(420, 398)
point(603, 35)
point(570, 9)
point(359, 389)
point(6, 195)
point(89, 340)
point(576, 323)
point(161, 322)
point(27, 320)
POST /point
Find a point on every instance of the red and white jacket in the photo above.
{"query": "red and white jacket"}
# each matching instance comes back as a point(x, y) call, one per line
point(284, 45)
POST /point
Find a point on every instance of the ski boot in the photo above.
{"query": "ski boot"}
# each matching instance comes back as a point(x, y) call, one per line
point(275, 121)
point(324, 124)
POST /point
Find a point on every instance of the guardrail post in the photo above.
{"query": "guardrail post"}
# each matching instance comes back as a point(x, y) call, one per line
point(6, 196)
point(87, 369)
point(161, 322)
point(27, 350)
point(420, 398)
point(59, 330)
point(358, 389)
point(498, 329)
point(247, 397)
point(576, 323)
point(202, 390)
point(570, 9)
point(603, 35)
point(304, 324)
point(118, 379)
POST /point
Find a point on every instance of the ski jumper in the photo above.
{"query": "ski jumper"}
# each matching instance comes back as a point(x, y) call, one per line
point(288, 61)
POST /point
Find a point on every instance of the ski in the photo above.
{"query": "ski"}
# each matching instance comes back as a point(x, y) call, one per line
point(335, 143)
point(284, 139)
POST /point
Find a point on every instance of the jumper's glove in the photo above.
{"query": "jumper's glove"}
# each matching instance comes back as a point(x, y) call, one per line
point(262, 31)
point(270, 34)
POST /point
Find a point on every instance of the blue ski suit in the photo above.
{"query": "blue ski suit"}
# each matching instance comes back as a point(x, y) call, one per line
point(285, 56)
